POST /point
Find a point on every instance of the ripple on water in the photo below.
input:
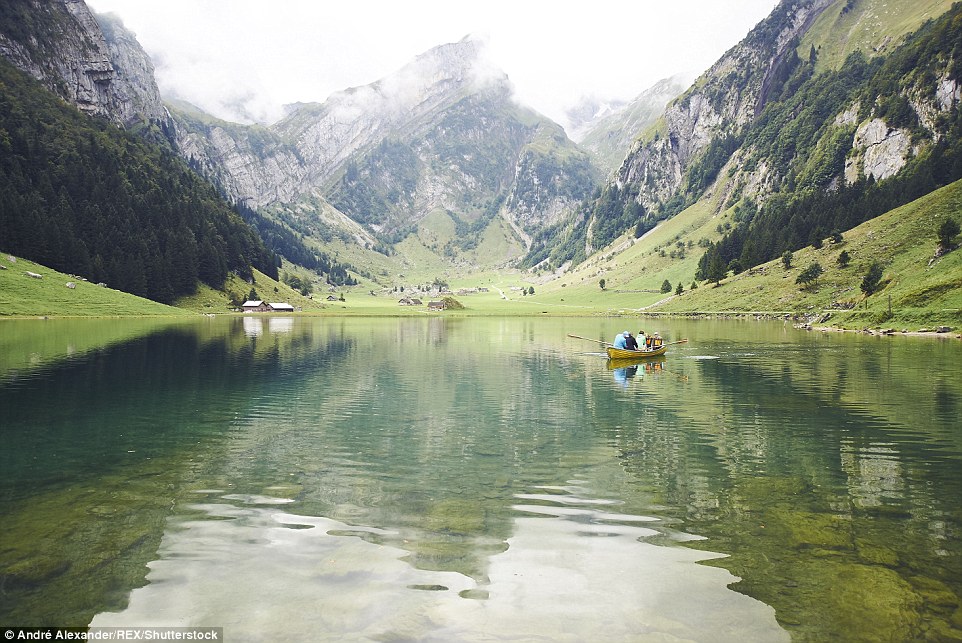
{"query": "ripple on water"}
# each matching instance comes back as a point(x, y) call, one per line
point(266, 573)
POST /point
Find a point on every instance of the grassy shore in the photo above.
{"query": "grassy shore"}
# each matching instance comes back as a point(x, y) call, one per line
point(28, 289)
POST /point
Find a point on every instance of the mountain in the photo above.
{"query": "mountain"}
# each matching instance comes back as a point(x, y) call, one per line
point(820, 175)
point(608, 130)
point(845, 146)
point(721, 103)
point(439, 144)
point(62, 45)
point(83, 195)
point(769, 120)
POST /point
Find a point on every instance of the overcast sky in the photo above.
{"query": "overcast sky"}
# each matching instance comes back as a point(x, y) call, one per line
point(262, 54)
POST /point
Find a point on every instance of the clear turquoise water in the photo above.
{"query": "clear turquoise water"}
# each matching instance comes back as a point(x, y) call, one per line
point(480, 479)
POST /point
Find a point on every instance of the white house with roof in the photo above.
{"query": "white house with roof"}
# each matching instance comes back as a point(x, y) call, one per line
point(258, 306)
point(255, 306)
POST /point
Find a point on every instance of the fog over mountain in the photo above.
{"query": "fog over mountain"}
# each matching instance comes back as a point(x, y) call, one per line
point(244, 60)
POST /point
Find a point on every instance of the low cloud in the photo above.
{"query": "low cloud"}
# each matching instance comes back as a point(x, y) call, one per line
point(245, 59)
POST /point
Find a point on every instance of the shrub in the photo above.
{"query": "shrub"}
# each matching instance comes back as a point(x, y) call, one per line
point(787, 258)
point(810, 275)
point(947, 232)
point(873, 277)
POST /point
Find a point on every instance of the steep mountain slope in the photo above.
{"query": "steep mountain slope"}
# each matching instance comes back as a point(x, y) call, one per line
point(84, 197)
point(609, 137)
point(828, 130)
point(440, 141)
point(80, 194)
point(870, 26)
point(847, 146)
point(62, 45)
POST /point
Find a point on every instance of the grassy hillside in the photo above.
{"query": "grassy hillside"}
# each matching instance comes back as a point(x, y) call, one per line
point(869, 26)
point(924, 292)
point(209, 300)
point(22, 295)
point(921, 290)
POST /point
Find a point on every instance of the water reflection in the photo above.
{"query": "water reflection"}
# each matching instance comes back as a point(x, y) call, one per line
point(248, 566)
point(489, 478)
point(257, 325)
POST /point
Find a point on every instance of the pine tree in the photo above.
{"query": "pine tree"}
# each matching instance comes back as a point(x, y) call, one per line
point(873, 277)
point(947, 232)
point(810, 275)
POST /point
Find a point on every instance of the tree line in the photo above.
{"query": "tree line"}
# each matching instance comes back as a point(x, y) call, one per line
point(84, 197)
point(799, 134)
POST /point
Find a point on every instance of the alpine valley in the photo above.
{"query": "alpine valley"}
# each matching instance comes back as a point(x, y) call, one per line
point(812, 170)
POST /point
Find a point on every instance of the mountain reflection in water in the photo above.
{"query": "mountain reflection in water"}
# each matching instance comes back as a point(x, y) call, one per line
point(456, 479)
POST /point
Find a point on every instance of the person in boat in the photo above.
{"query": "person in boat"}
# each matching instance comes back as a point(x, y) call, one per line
point(630, 342)
point(621, 339)
point(642, 340)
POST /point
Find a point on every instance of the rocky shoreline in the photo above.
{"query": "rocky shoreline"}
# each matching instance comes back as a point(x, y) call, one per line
point(814, 322)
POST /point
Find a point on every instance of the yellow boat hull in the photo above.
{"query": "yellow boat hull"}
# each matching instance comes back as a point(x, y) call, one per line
point(624, 353)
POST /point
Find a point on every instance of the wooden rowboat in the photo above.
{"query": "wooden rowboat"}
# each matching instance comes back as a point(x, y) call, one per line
point(624, 353)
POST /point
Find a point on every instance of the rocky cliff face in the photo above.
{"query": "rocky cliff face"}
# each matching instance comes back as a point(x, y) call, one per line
point(720, 103)
point(134, 95)
point(303, 153)
point(250, 164)
point(610, 135)
point(61, 44)
point(443, 133)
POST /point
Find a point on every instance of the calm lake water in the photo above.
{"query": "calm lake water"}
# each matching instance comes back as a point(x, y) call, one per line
point(439, 479)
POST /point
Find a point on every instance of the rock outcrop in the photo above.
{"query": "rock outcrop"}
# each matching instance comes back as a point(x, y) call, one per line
point(609, 136)
point(721, 102)
point(881, 151)
point(61, 44)
point(442, 133)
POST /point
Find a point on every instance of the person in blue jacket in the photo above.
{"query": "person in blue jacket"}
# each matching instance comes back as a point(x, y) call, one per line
point(620, 340)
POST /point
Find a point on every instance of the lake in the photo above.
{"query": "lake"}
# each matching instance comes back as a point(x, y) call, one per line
point(444, 479)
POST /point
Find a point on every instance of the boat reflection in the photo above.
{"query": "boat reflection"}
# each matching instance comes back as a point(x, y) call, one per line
point(625, 369)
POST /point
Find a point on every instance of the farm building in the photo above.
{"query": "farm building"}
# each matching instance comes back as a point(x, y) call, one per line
point(265, 307)
point(257, 306)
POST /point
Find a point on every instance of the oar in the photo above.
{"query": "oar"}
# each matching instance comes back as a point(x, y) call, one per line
point(592, 340)
point(681, 341)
